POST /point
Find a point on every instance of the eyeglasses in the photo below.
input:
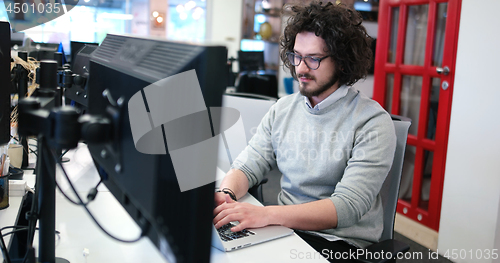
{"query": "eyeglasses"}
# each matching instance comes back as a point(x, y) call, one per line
point(311, 62)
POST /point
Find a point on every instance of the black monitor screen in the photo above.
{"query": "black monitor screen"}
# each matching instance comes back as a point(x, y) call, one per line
point(144, 181)
point(5, 85)
point(251, 60)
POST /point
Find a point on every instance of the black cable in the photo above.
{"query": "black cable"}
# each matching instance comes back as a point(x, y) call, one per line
point(65, 152)
point(19, 229)
point(49, 153)
point(23, 228)
point(8, 227)
point(52, 172)
point(14, 231)
point(5, 252)
point(62, 155)
point(93, 192)
point(66, 196)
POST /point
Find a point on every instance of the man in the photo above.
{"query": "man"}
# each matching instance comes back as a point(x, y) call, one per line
point(333, 145)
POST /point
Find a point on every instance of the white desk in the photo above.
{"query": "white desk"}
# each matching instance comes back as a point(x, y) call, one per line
point(79, 232)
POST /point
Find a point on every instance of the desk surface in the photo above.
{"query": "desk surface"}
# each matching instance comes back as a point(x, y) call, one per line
point(79, 232)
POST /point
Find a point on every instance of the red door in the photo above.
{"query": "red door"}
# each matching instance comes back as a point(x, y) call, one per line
point(414, 73)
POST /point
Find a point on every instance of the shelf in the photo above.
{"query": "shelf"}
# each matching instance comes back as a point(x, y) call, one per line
point(275, 12)
point(267, 41)
point(253, 17)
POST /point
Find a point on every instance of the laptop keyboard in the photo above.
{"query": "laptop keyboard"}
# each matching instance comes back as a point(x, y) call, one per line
point(226, 234)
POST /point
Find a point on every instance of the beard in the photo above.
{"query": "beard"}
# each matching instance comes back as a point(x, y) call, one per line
point(320, 89)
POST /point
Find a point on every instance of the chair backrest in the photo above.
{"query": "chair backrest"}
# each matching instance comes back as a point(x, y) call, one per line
point(240, 115)
point(252, 108)
point(263, 82)
point(390, 188)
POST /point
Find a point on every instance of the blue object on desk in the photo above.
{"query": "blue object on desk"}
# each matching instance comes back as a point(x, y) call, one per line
point(61, 49)
point(4, 192)
point(288, 85)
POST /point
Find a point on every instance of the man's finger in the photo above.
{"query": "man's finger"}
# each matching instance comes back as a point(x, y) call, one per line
point(229, 199)
point(238, 227)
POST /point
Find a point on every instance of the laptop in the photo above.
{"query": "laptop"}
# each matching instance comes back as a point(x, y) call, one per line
point(226, 240)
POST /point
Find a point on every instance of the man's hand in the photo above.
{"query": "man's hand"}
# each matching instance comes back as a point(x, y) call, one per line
point(219, 198)
point(249, 216)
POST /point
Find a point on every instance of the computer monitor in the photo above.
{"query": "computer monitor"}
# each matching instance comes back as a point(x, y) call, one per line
point(5, 84)
point(179, 222)
point(17, 38)
point(251, 60)
point(76, 95)
point(75, 47)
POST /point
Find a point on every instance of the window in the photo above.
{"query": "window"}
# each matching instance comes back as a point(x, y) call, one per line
point(90, 21)
point(186, 20)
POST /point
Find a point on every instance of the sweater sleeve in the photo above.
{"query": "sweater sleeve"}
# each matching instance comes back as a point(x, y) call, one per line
point(258, 157)
point(371, 159)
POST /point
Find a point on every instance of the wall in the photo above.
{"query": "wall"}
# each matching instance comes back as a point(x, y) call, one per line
point(497, 234)
point(471, 194)
point(140, 24)
point(366, 85)
point(160, 6)
point(224, 24)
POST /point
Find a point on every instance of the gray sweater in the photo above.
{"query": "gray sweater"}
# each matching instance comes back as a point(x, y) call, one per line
point(342, 152)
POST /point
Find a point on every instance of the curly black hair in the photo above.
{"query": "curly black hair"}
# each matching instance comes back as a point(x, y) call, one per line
point(340, 27)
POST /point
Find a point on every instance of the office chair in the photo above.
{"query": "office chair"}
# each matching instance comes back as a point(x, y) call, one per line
point(263, 82)
point(251, 60)
point(252, 108)
point(389, 194)
point(252, 75)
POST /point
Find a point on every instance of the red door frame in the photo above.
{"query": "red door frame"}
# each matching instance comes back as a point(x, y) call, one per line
point(431, 216)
